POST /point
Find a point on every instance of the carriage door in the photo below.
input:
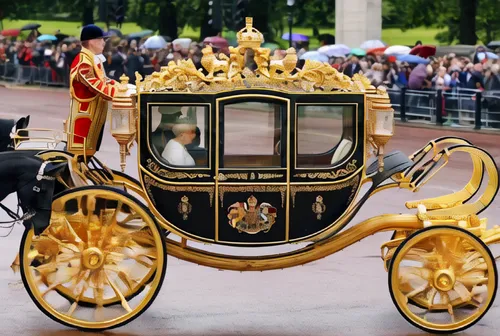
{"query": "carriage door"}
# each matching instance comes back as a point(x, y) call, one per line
point(251, 170)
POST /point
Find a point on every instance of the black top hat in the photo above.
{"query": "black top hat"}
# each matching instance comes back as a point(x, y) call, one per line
point(91, 32)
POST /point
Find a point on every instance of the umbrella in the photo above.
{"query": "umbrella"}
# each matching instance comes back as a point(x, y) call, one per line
point(494, 44)
point(181, 43)
point(424, 51)
point(46, 37)
point(397, 50)
point(60, 36)
point(115, 32)
point(488, 55)
point(376, 51)
point(70, 39)
point(314, 56)
point(327, 38)
point(31, 26)
point(295, 37)
point(358, 52)
point(155, 42)
point(413, 59)
point(335, 50)
point(10, 32)
point(216, 41)
point(141, 34)
point(372, 44)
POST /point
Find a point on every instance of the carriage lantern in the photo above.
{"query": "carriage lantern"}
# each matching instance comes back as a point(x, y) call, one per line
point(380, 123)
point(124, 119)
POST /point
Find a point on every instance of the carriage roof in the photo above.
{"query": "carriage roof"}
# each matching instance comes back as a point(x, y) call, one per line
point(223, 73)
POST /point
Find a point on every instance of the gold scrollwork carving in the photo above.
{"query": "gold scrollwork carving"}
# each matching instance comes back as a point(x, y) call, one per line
point(254, 189)
point(294, 189)
point(350, 168)
point(236, 176)
point(229, 72)
point(178, 188)
point(246, 176)
point(172, 175)
point(269, 176)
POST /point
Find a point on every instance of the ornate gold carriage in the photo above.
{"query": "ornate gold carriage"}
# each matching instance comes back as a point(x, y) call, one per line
point(251, 152)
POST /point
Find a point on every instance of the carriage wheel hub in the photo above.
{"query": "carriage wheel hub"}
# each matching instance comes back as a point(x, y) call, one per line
point(92, 258)
point(444, 280)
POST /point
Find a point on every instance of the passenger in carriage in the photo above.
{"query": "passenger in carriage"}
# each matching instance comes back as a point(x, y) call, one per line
point(175, 152)
point(163, 133)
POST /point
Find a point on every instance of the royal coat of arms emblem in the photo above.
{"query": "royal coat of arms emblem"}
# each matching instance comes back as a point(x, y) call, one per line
point(250, 218)
point(184, 207)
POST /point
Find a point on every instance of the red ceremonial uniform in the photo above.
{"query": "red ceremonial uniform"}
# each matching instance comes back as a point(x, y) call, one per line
point(90, 92)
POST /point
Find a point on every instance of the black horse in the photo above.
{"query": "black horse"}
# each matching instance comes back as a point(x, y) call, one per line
point(32, 178)
point(34, 181)
point(7, 127)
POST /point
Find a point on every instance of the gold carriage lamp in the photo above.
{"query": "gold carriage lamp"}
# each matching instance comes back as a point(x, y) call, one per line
point(124, 120)
point(380, 123)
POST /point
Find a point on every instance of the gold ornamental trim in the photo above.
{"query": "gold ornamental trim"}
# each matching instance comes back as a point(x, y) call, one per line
point(149, 182)
point(235, 176)
point(350, 168)
point(253, 189)
point(294, 189)
point(247, 176)
point(269, 176)
point(172, 175)
point(229, 72)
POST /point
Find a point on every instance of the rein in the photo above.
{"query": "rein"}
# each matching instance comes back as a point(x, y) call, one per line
point(16, 219)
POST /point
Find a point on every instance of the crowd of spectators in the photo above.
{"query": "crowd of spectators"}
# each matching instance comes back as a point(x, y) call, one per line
point(128, 56)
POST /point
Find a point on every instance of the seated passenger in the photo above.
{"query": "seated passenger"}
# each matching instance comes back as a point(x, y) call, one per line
point(175, 152)
point(198, 153)
point(163, 133)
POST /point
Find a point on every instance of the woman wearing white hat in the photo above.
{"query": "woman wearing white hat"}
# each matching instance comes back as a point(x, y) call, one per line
point(175, 152)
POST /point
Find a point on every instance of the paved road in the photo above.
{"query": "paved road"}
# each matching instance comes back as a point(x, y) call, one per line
point(344, 294)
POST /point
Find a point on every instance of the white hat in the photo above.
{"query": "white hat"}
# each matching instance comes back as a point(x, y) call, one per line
point(181, 43)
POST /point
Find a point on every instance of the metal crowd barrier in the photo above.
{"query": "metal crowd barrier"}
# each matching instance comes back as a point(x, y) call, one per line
point(23, 75)
point(458, 107)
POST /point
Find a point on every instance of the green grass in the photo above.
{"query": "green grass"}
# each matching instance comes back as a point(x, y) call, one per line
point(390, 36)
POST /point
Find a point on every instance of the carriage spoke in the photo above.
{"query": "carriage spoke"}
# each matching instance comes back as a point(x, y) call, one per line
point(119, 294)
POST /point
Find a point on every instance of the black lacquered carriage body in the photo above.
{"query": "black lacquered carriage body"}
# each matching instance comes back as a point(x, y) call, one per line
point(251, 142)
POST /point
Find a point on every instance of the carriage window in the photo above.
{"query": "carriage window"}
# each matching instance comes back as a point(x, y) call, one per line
point(252, 134)
point(325, 134)
point(180, 135)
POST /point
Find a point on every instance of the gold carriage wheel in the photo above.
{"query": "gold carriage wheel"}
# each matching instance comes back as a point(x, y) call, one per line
point(101, 244)
point(443, 279)
point(129, 184)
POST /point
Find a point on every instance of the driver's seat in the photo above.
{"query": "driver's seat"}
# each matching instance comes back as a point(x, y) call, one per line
point(342, 150)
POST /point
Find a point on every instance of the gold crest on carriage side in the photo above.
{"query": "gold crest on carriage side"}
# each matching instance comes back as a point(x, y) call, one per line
point(250, 218)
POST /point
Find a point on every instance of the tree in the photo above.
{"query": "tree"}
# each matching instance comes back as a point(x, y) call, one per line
point(466, 20)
